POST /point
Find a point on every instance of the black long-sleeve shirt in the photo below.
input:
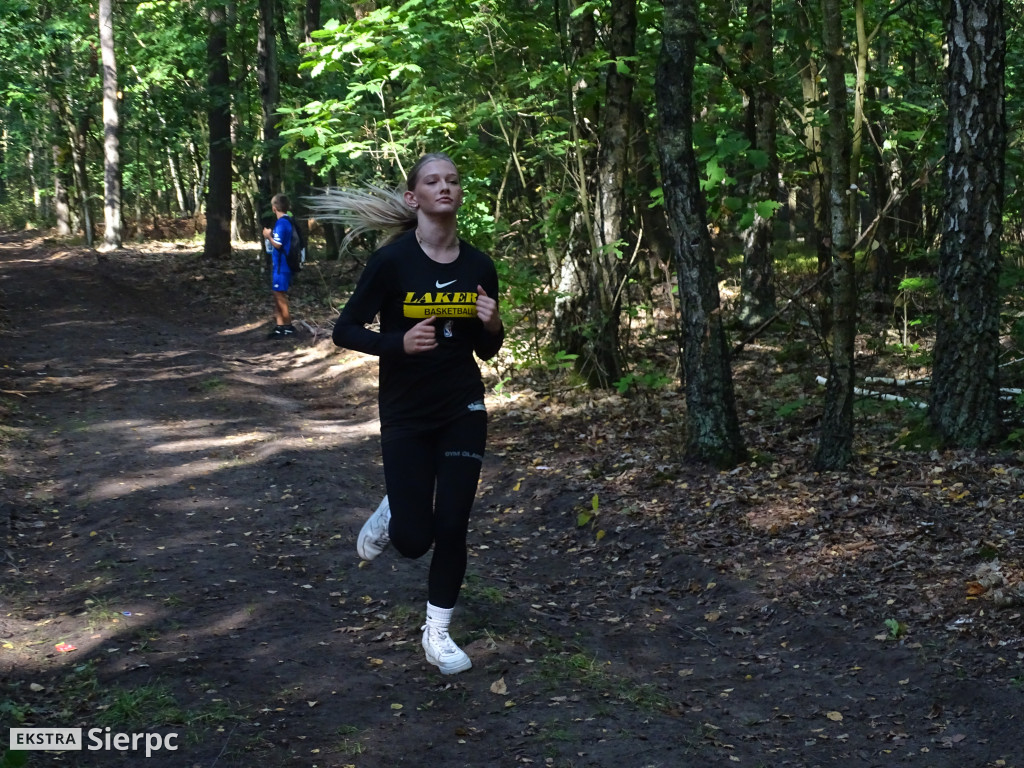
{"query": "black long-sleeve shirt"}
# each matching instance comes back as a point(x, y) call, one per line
point(403, 286)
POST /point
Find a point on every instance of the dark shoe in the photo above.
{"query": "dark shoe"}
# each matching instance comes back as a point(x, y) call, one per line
point(282, 332)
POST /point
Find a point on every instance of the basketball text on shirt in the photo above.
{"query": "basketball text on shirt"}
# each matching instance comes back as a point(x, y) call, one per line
point(440, 304)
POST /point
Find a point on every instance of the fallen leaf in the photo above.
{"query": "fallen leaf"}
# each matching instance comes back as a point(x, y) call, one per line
point(499, 687)
point(834, 716)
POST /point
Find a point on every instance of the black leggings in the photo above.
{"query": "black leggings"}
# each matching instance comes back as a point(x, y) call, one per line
point(431, 482)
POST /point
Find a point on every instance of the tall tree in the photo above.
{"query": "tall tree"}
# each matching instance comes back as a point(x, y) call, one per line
point(712, 427)
point(808, 55)
point(605, 267)
point(218, 201)
point(965, 389)
point(597, 337)
point(757, 297)
point(586, 322)
point(835, 446)
point(270, 96)
point(111, 130)
point(61, 210)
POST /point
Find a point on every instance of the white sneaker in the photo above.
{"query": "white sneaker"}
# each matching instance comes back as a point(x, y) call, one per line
point(443, 653)
point(373, 536)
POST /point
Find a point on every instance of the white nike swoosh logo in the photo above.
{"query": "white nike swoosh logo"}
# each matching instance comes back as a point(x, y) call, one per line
point(439, 284)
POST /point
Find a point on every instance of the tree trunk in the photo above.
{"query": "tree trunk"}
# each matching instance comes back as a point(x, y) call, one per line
point(306, 180)
point(817, 183)
point(176, 182)
point(588, 310)
point(835, 447)
point(712, 428)
point(199, 176)
point(606, 267)
point(310, 20)
point(270, 95)
point(75, 125)
point(78, 131)
point(965, 383)
point(757, 296)
point(61, 209)
point(218, 203)
point(657, 239)
point(111, 130)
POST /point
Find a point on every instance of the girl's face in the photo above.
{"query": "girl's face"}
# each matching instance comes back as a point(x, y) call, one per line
point(438, 189)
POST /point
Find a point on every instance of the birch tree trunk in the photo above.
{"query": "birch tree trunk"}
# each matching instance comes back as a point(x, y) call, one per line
point(606, 267)
point(712, 428)
point(587, 313)
point(835, 447)
point(111, 130)
point(964, 406)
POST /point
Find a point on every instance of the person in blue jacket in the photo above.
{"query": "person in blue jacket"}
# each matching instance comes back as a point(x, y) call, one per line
point(278, 241)
point(436, 298)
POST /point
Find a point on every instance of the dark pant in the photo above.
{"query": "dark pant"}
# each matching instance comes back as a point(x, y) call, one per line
point(431, 482)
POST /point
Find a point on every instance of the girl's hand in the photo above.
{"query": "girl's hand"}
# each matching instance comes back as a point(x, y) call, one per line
point(420, 338)
point(487, 311)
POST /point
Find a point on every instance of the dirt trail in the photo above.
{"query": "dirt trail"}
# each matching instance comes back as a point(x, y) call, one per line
point(184, 496)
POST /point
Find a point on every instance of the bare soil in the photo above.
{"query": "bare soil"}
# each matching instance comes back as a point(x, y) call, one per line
point(181, 498)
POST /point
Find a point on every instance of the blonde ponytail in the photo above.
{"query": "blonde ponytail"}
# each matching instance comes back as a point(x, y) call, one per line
point(370, 209)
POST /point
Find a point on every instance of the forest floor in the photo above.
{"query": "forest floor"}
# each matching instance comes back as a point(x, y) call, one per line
point(182, 497)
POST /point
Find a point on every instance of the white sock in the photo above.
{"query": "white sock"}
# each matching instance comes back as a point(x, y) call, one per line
point(438, 619)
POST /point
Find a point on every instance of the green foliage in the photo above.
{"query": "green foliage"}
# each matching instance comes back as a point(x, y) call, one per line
point(897, 629)
point(561, 360)
point(13, 712)
point(585, 517)
point(646, 379)
point(589, 518)
point(1015, 438)
point(925, 285)
point(918, 434)
point(793, 406)
point(1011, 276)
point(794, 352)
